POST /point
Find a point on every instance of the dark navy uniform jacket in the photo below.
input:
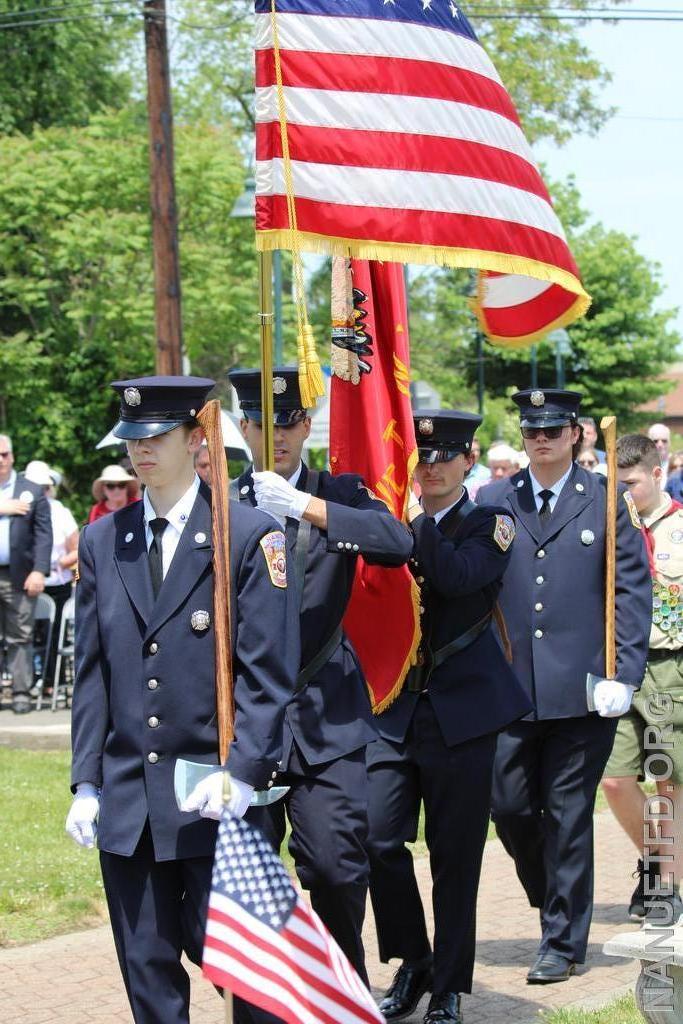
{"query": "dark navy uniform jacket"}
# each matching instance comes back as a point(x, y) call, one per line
point(331, 716)
point(30, 536)
point(554, 594)
point(474, 692)
point(139, 662)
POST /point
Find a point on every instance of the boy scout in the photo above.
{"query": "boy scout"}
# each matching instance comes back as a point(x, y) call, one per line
point(651, 733)
point(441, 730)
point(548, 766)
point(144, 692)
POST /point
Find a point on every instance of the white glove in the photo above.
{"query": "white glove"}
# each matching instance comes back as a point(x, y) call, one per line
point(81, 821)
point(276, 495)
point(611, 698)
point(207, 797)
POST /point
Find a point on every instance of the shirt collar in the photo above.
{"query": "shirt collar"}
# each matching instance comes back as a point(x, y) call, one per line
point(180, 513)
point(294, 478)
point(660, 512)
point(10, 482)
point(557, 486)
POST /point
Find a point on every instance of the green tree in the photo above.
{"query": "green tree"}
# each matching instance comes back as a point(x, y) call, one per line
point(76, 287)
point(61, 71)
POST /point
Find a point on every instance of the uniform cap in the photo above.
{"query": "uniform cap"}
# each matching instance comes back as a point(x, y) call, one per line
point(550, 407)
point(155, 405)
point(288, 408)
point(441, 434)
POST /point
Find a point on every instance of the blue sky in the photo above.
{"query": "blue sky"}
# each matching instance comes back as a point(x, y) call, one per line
point(631, 175)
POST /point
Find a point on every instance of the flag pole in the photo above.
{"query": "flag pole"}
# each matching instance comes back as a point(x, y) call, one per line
point(227, 995)
point(265, 266)
point(608, 425)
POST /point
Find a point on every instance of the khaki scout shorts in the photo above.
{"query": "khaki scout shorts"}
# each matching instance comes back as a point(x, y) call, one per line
point(655, 719)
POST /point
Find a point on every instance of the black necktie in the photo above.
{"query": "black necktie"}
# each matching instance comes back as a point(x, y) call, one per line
point(156, 566)
point(545, 512)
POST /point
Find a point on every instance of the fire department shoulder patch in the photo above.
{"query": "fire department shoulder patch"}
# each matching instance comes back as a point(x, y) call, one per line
point(504, 533)
point(632, 510)
point(273, 547)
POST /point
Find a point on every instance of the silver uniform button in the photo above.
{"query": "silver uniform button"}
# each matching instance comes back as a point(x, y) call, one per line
point(580, 488)
point(540, 579)
point(129, 537)
point(540, 554)
point(270, 784)
point(245, 489)
point(152, 757)
point(348, 545)
point(340, 545)
point(538, 606)
point(152, 721)
point(273, 775)
point(153, 648)
point(200, 537)
point(538, 634)
point(152, 684)
point(356, 548)
point(520, 483)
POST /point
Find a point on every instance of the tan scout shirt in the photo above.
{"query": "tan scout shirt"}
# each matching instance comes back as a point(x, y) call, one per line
point(665, 529)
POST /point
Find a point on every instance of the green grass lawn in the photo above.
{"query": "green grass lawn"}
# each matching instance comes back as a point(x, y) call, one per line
point(623, 1011)
point(48, 885)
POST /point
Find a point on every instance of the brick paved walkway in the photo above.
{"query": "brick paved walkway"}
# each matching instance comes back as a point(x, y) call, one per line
point(74, 979)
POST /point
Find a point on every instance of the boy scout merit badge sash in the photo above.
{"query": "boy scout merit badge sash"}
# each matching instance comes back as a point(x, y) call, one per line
point(273, 547)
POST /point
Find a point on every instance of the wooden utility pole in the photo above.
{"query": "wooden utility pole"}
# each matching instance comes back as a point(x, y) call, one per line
point(167, 313)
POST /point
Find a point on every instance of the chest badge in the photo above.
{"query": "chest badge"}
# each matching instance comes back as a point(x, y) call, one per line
point(200, 620)
point(587, 537)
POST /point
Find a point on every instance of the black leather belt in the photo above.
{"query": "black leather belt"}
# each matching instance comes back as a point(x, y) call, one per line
point(418, 677)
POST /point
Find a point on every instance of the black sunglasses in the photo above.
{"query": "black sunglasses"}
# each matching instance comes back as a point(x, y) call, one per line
point(115, 487)
point(552, 433)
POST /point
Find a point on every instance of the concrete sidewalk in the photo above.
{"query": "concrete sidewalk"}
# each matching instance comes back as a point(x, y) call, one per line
point(75, 979)
point(38, 730)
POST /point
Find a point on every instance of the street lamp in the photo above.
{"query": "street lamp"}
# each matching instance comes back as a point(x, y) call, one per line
point(245, 208)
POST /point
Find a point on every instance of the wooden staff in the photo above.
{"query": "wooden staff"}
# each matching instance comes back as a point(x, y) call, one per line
point(265, 265)
point(608, 425)
point(210, 421)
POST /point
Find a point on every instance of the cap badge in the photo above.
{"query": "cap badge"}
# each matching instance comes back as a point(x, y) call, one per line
point(537, 398)
point(279, 385)
point(426, 427)
point(200, 621)
point(132, 396)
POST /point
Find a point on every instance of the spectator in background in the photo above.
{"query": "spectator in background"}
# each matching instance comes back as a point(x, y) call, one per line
point(202, 464)
point(478, 474)
point(589, 438)
point(674, 482)
point(661, 435)
point(58, 584)
point(588, 458)
point(502, 461)
point(113, 490)
point(25, 546)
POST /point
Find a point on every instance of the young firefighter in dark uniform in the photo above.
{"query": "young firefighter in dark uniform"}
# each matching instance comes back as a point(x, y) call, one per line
point(548, 767)
point(145, 694)
point(329, 522)
point(442, 730)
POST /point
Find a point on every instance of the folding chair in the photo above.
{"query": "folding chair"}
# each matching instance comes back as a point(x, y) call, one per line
point(65, 652)
point(43, 625)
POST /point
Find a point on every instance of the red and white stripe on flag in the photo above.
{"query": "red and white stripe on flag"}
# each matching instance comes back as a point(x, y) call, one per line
point(404, 145)
point(265, 945)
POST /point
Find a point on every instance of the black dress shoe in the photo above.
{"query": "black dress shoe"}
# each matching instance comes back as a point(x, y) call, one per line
point(21, 707)
point(444, 1009)
point(406, 990)
point(550, 967)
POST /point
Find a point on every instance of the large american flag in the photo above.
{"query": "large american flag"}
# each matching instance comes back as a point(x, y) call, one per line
point(266, 945)
point(405, 145)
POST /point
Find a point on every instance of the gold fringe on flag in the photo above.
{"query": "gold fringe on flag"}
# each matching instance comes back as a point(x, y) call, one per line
point(311, 381)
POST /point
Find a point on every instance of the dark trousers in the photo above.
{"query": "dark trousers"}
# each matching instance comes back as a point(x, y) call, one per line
point(60, 594)
point(17, 614)
point(455, 785)
point(327, 811)
point(157, 911)
point(545, 779)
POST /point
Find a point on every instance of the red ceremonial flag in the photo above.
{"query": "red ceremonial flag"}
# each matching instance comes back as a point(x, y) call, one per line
point(371, 433)
point(264, 943)
point(384, 132)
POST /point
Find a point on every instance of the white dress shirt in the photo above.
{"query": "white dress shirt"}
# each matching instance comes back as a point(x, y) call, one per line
point(177, 518)
point(556, 488)
point(6, 492)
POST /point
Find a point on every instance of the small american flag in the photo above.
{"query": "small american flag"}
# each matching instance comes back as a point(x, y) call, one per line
point(264, 944)
point(404, 145)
